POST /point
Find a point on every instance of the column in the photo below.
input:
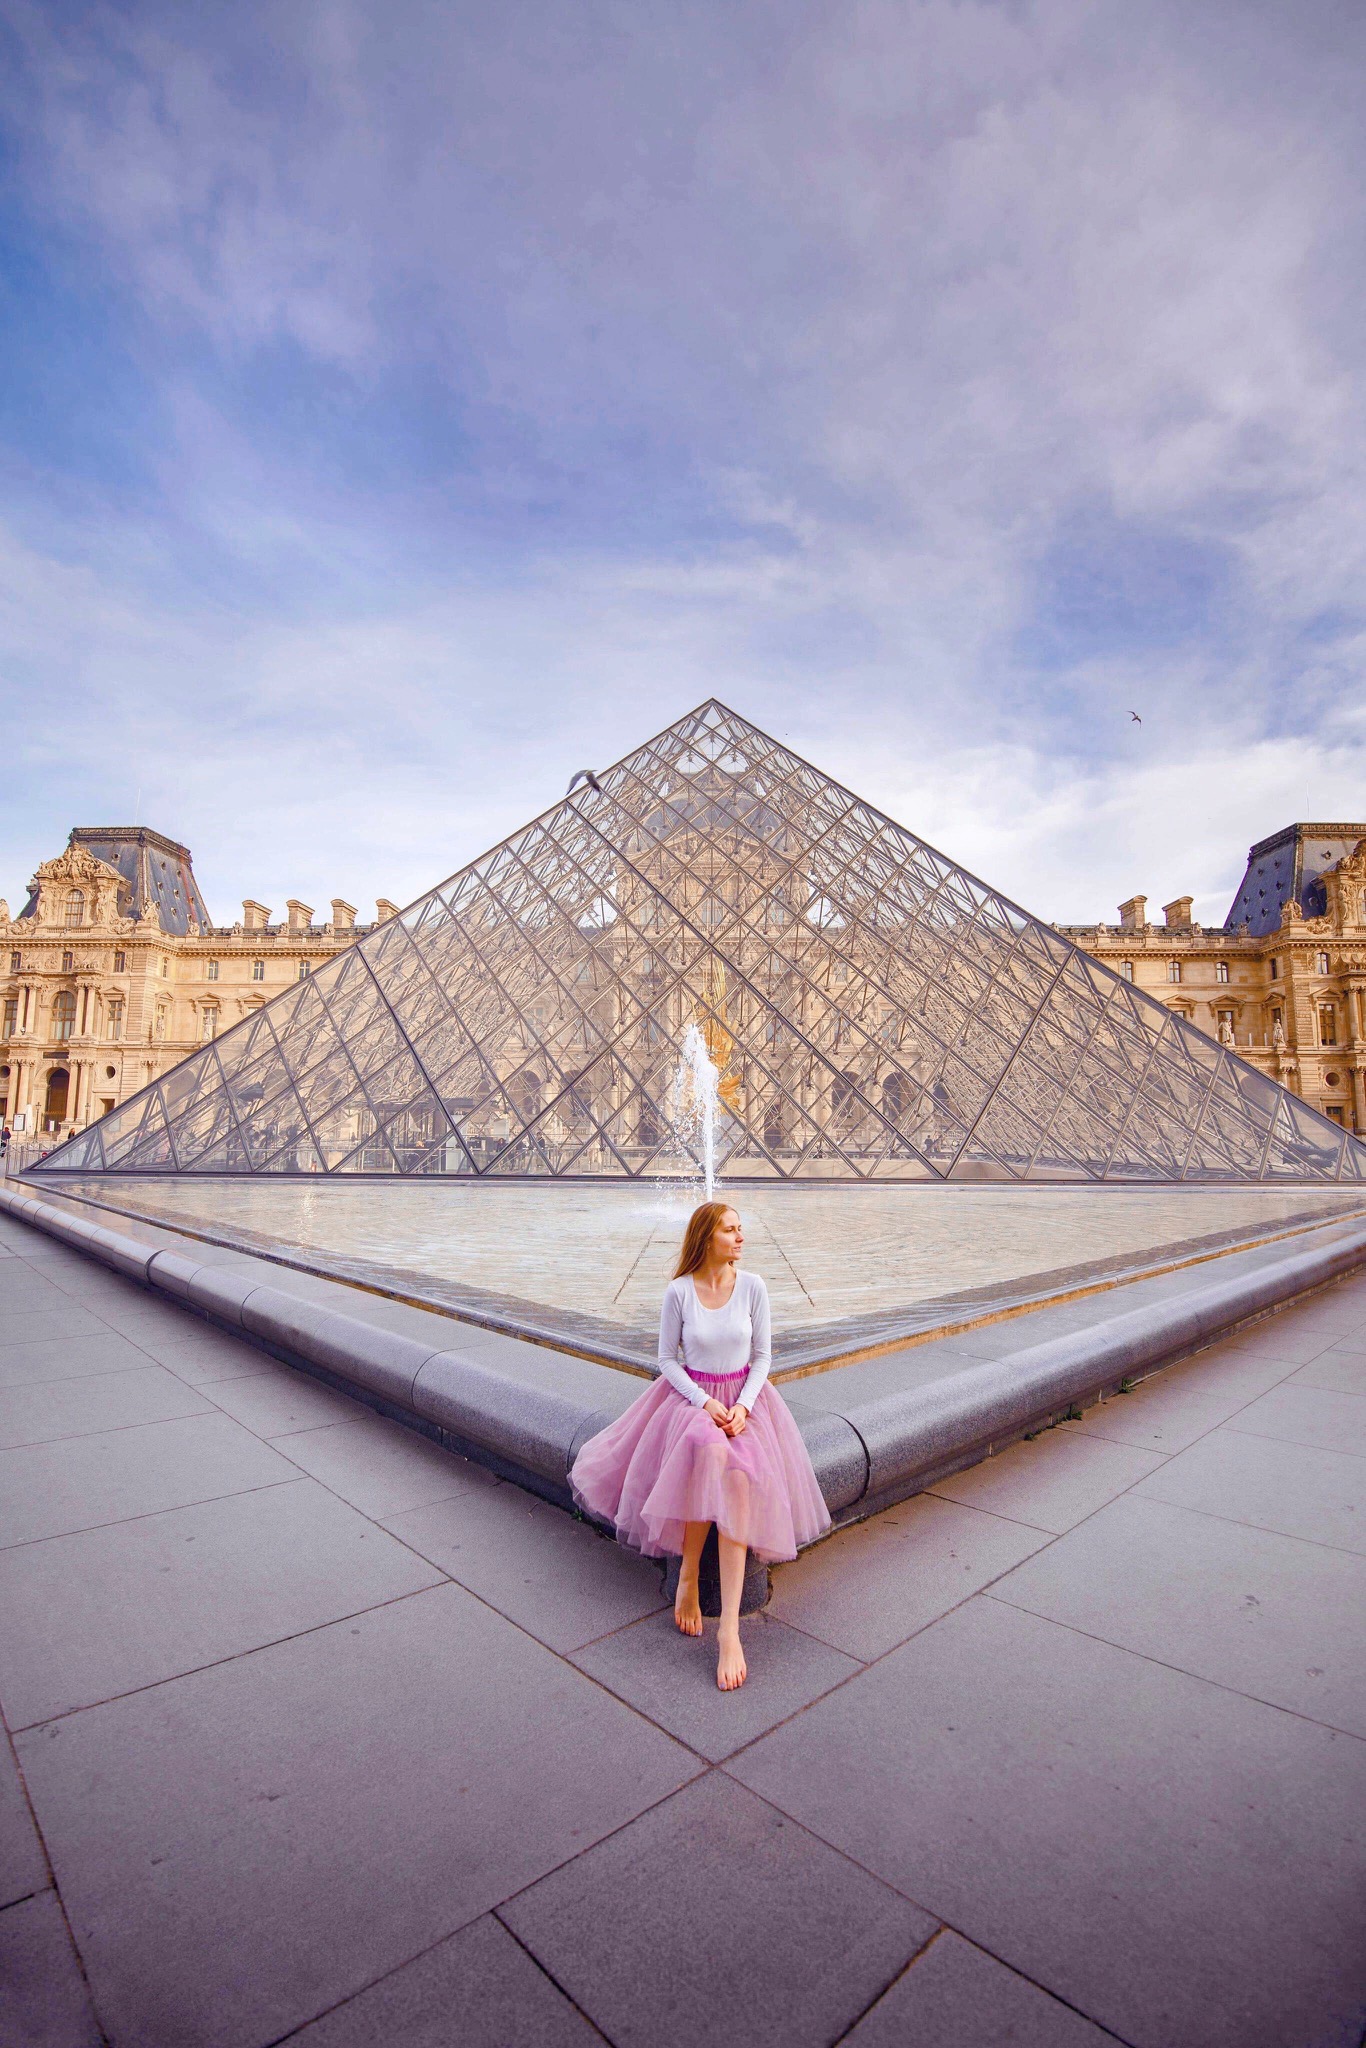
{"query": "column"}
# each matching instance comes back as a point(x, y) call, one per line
point(1358, 1098)
point(73, 1100)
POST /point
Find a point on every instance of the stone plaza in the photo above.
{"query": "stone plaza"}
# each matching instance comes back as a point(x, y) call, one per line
point(322, 1734)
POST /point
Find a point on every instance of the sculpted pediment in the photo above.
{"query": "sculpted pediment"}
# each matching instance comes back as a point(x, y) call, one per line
point(75, 864)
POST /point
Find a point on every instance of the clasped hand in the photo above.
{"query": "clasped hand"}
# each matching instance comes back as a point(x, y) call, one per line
point(729, 1420)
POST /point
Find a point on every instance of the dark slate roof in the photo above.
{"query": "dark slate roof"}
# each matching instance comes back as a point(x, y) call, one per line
point(157, 874)
point(1289, 866)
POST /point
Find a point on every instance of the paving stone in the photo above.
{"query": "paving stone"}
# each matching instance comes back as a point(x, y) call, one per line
point(1179, 1862)
point(1280, 1337)
point(955, 1996)
point(25, 1289)
point(22, 1868)
point(197, 1353)
point(713, 1919)
point(41, 1325)
point(671, 1678)
point(482, 1975)
point(68, 1358)
point(1052, 1483)
point(43, 1999)
point(1353, 1340)
point(1319, 1495)
point(381, 1467)
point(870, 1586)
point(1269, 1615)
point(326, 1808)
point(554, 1576)
point(1336, 1371)
point(144, 1600)
point(1184, 1401)
point(1307, 1415)
point(82, 1482)
point(47, 1410)
point(280, 1402)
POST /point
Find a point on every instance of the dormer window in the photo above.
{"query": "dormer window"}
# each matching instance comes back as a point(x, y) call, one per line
point(75, 907)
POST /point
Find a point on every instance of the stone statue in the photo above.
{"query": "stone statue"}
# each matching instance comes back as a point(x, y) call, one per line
point(1226, 1031)
point(1277, 1032)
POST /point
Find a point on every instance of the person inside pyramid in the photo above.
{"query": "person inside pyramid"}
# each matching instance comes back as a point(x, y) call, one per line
point(710, 1442)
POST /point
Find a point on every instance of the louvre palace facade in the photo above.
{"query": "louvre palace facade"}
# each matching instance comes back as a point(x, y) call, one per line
point(872, 1010)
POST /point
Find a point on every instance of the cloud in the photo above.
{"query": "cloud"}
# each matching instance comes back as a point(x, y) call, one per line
point(935, 382)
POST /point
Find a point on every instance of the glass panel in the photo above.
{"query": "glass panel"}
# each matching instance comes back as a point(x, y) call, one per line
point(871, 1010)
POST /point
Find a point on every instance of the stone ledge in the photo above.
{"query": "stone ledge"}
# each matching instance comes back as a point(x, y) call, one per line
point(866, 1455)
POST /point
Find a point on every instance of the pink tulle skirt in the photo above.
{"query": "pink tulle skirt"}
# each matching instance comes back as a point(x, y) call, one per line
point(665, 1463)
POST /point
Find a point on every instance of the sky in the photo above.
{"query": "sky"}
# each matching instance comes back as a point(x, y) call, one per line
point(403, 406)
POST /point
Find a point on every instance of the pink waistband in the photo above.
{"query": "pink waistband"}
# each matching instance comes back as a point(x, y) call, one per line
point(718, 1379)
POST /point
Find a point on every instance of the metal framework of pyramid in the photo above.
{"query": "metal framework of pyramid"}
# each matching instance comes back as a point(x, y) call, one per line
point(874, 1012)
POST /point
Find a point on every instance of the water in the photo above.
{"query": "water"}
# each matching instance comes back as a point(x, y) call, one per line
point(692, 1109)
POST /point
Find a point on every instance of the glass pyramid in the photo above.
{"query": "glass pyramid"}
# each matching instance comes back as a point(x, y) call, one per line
point(874, 1012)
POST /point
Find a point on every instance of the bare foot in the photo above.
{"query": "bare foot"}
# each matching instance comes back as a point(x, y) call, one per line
point(687, 1609)
point(731, 1668)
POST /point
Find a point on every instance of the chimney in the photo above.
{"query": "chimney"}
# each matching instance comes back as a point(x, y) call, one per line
point(1178, 914)
point(255, 916)
point(343, 915)
point(1133, 915)
point(300, 914)
point(385, 909)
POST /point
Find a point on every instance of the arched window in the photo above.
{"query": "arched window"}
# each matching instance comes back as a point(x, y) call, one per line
point(63, 1013)
point(1126, 968)
point(1221, 970)
point(842, 1093)
point(774, 1132)
point(1173, 970)
point(893, 1097)
point(75, 907)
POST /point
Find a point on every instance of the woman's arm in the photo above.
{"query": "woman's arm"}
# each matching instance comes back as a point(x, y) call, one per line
point(761, 1345)
point(670, 1344)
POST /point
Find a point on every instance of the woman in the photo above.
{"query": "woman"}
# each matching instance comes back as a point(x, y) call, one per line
point(710, 1442)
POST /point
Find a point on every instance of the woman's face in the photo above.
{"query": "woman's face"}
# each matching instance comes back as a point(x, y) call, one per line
point(728, 1239)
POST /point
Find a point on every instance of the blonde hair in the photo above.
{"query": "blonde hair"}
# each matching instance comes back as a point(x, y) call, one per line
point(698, 1236)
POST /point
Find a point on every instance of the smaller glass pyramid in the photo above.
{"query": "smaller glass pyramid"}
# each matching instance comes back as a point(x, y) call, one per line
point(874, 1013)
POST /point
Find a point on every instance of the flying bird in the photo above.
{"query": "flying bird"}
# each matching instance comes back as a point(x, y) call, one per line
point(583, 775)
point(1135, 717)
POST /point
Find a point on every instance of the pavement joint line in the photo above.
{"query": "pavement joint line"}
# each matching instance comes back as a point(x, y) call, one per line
point(948, 1927)
point(148, 1514)
point(895, 1978)
point(551, 1978)
point(1265, 1436)
point(631, 1275)
point(144, 1514)
point(1235, 1522)
point(218, 1663)
point(1182, 1670)
point(52, 1885)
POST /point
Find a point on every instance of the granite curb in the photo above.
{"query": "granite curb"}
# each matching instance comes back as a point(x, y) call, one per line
point(866, 1455)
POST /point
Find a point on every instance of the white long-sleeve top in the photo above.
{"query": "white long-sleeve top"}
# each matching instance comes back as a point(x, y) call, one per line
point(694, 1338)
